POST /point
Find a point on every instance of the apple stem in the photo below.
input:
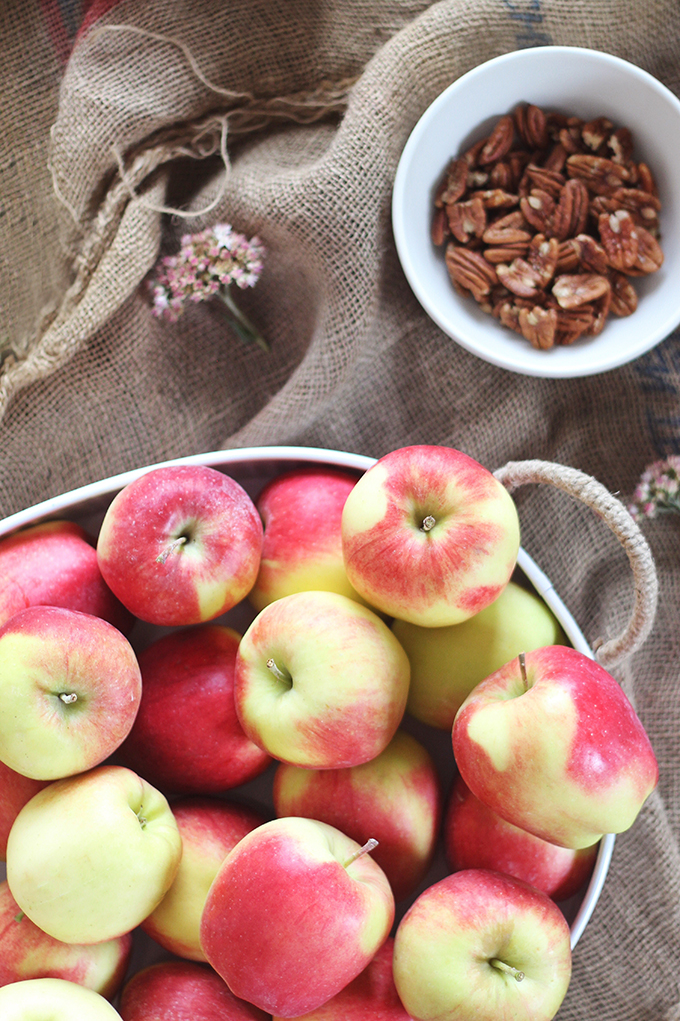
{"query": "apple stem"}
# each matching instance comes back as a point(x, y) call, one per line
point(174, 545)
point(428, 523)
point(369, 846)
point(507, 968)
point(279, 674)
point(68, 699)
point(523, 670)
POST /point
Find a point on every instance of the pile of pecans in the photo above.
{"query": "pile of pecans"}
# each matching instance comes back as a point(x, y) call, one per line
point(546, 220)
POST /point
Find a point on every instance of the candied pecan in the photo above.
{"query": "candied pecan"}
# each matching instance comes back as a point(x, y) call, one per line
point(519, 277)
point(470, 270)
point(571, 213)
point(600, 174)
point(619, 238)
point(624, 296)
point(538, 326)
point(499, 141)
point(574, 289)
point(466, 219)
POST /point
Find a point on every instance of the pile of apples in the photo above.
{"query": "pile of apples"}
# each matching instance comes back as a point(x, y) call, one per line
point(372, 601)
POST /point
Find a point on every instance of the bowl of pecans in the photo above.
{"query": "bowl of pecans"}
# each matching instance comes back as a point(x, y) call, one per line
point(535, 211)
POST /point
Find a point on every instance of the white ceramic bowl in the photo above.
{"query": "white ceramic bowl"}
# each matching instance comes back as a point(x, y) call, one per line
point(569, 80)
point(253, 468)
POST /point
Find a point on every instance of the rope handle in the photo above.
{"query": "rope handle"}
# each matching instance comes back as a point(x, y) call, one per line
point(614, 514)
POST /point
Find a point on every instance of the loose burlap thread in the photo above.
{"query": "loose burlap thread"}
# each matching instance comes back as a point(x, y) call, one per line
point(92, 385)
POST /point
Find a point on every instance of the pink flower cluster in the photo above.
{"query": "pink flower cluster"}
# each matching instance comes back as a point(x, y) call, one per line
point(206, 263)
point(658, 491)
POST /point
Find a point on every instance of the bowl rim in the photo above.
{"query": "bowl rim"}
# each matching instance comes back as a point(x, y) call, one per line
point(94, 495)
point(590, 362)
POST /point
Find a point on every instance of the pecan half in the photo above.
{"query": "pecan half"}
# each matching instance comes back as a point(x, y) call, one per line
point(624, 296)
point(453, 184)
point(499, 141)
point(519, 277)
point(573, 323)
point(542, 255)
point(600, 174)
point(466, 219)
point(571, 213)
point(470, 270)
point(619, 237)
point(538, 209)
point(538, 326)
point(591, 255)
point(649, 253)
point(574, 289)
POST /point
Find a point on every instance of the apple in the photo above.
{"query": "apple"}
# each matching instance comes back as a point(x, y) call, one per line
point(476, 837)
point(482, 945)
point(183, 991)
point(55, 564)
point(395, 798)
point(90, 857)
point(70, 688)
point(320, 681)
point(295, 912)
point(448, 662)
point(186, 737)
point(27, 952)
point(209, 829)
point(429, 536)
point(551, 743)
point(371, 996)
point(53, 999)
point(302, 548)
point(15, 790)
point(180, 544)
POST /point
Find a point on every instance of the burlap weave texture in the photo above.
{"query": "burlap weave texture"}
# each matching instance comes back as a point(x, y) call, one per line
point(322, 98)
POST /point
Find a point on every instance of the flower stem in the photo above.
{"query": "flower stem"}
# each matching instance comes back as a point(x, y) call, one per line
point(243, 326)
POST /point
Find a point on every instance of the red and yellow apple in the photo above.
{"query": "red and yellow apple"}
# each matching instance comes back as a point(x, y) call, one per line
point(15, 790)
point(180, 545)
point(295, 913)
point(395, 798)
point(320, 681)
point(55, 564)
point(210, 828)
point(482, 945)
point(53, 999)
point(183, 991)
point(429, 536)
point(476, 837)
point(301, 511)
point(90, 857)
point(552, 744)
point(70, 688)
point(186, 737)
point(448, 662)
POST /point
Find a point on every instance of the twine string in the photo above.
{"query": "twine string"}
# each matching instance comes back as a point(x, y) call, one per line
point(615, 515)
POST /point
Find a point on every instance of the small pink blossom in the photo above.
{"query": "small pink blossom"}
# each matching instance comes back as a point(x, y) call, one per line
point(658, 491)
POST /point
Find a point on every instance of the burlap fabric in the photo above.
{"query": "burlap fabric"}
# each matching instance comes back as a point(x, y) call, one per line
point(317, 98)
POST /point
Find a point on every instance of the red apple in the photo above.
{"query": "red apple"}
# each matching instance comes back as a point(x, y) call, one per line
point(26, 952)
point(15, 790)
point(294, 914)
point(482, 945)
point(475, 837)
point(321, 681)
point(70, 688)
point(182, 991)
point(187, 738)
point(371, 996)
point(302, 547)
point(55, 564)
point(551, 743)
point(394, 798)
point(429, 536)
point(180, 545)
point(209, 829)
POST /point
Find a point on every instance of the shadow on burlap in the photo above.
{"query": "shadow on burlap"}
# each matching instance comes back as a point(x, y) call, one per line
point(319, 99)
